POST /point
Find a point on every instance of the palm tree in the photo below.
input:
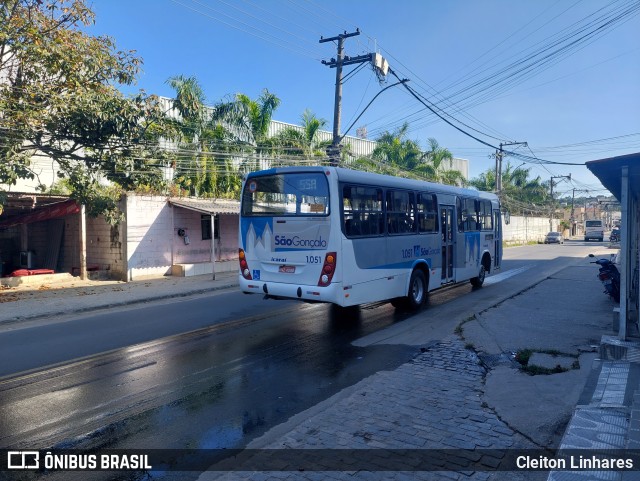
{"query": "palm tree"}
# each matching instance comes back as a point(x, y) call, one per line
point(433, 166)
point(312, 125)
point(303, 141)
point(392, 148)
point(190, 104)
point(397, 151)
point(257, 116)
point(200, 130)
point(517, 188)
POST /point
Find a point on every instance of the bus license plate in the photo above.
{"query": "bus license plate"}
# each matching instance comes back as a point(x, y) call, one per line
point(287, 269)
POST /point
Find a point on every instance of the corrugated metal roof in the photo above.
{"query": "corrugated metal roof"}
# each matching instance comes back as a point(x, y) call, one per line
point(207, 206)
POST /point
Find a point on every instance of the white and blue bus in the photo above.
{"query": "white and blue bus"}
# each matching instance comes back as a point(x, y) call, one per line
point(327, 234)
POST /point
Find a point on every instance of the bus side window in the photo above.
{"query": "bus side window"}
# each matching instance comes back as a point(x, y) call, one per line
point(485, 218)
point(362, 211)
point(427, 213)
point(400, 212)
point(347, 212)
point(468, 217)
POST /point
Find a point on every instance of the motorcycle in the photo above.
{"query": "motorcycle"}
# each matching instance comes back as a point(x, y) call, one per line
point(609, 276)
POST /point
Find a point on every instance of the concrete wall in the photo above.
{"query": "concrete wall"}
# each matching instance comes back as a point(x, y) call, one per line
point(199, 250)
point(523, 229)
point(105, 249)
point(148, 236)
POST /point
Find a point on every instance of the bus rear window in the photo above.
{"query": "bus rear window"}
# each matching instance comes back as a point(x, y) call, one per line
point(594, 223)
point(295, 194)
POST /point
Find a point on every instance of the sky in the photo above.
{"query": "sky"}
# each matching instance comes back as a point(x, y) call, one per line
point(561, 75)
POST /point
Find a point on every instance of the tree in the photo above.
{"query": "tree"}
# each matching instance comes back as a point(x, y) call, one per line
point(394, 149)
point(303, 141)
point(209, 136)
point(519, 191)
point(434, 165)
point(399, 153)
point(193, 171)
point(257, 115)
point(59, 98)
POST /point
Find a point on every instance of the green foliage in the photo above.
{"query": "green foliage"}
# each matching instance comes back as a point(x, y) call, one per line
point(258, 113)
point(205, 142)
point(396, 154)
point(520, 193)
point(59, 99)
point(99, 199)
point(302, 141)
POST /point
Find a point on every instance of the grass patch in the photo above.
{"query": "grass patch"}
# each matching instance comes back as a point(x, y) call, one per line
point(524, 355)
point(459, 328)
point(537, 370)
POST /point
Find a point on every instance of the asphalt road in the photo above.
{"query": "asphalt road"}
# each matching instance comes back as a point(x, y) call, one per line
point(216, 371)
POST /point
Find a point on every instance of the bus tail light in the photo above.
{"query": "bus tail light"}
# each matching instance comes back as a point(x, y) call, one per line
point(328, 269)
point(244, 267)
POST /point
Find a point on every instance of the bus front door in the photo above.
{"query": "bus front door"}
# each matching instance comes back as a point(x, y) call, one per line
point(447, 224)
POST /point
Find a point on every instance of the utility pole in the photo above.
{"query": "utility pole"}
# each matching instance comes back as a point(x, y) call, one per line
point(551, 205)
point(334, 150)
point(499, 157)
point(572, 218)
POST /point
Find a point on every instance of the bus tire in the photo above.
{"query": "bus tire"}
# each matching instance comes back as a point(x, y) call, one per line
point(417, 294)
point(479, 280)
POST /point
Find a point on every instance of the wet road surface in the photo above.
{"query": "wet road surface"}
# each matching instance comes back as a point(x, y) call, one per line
point(215, 387)
point(210, 388)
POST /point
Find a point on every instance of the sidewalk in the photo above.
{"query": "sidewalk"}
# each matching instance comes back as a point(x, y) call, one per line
point(48, 300)
point(470, 392)
point(537, 370)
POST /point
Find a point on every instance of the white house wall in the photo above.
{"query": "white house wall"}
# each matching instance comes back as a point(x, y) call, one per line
point(148, 236)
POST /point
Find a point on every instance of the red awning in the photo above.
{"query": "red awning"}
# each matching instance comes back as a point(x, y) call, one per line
point(52, 211)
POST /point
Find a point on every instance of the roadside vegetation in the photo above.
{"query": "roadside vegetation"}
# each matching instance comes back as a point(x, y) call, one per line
point(61, 99)
point(523, 357)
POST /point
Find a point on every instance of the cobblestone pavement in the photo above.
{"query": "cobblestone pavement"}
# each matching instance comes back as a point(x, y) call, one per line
point(432, 402)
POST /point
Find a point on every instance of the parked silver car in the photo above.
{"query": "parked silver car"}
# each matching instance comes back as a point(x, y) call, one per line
point(554, 238)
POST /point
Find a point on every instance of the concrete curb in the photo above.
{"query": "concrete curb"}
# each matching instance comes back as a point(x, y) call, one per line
point(111, 305)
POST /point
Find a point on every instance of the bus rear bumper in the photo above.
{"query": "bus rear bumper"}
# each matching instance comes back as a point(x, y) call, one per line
point(278, 290)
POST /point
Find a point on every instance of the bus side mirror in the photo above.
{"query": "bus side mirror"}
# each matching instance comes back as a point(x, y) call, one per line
point(507, 217)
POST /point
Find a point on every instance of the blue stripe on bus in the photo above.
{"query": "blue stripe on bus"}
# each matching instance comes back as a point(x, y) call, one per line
point(403, 265)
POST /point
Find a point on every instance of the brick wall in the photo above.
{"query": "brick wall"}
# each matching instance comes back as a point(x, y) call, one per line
point(105, 247)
